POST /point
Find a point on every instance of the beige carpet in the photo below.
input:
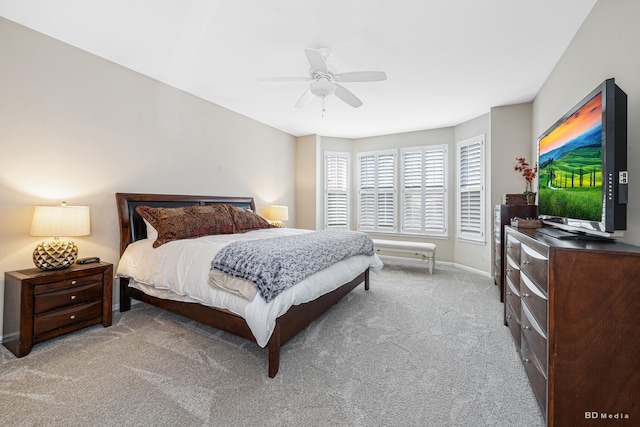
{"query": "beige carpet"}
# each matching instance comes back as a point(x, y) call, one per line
point(415, 350)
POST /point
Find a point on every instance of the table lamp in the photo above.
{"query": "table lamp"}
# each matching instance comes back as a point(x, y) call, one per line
point(277, 214)
point(56, 221)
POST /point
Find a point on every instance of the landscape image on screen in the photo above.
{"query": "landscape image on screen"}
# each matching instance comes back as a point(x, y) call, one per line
point(570, 162)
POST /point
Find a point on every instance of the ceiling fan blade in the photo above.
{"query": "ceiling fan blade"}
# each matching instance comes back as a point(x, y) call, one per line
point(347, 96)
point(361, 76)
point(316, 60)
point(283, 79)
point(305, 99)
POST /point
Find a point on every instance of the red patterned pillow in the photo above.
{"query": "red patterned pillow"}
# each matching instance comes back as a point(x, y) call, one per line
point(245, 220)
point(187, 222)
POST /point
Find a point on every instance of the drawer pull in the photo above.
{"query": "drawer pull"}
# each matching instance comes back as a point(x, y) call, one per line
point(508, 316)
point(509, 293)
point(72, 317)
point(526, 328)
point(526, 294)
point(525, 360)
point(73, 282)
point(73, 297)
point(526, 262)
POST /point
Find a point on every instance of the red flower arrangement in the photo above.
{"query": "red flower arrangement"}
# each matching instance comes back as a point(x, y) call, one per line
point(527, 172)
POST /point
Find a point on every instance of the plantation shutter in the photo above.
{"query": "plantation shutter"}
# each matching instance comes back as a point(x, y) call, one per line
point(471, 189)
point(336, 190)
point(423, 204)
point(377, 187)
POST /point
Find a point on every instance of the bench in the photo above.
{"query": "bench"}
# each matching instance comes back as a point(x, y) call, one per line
point(424, 249)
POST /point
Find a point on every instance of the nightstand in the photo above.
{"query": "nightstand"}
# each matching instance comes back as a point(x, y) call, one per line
point(40, 305)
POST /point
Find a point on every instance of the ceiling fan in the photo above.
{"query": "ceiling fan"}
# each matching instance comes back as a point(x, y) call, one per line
point(326, 81)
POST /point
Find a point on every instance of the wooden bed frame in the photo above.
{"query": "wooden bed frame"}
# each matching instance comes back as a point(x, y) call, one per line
point(297, 318)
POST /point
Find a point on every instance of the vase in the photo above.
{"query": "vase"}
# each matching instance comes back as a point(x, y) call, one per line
point(531, 198)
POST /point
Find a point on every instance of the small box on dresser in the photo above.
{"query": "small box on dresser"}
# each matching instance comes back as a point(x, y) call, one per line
point(573, 308)
point(40, 305)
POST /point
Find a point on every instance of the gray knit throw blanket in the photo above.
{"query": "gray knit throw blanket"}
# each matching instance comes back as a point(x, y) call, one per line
point(277, 263)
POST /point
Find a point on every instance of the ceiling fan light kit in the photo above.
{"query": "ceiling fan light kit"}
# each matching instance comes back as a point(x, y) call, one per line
point(324, 80)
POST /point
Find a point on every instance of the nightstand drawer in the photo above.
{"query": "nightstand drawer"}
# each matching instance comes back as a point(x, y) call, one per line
point(66, 317)
point(46, 301)
point(78, 281)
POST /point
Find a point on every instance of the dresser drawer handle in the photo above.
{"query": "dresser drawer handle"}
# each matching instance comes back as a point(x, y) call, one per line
point(526, 328)
point(73, 316)
point(527, 262)
point(508, 316)
point(73, 282)
point(509, 293)
point(526, 295)
point(73, 297)
point(525, 360)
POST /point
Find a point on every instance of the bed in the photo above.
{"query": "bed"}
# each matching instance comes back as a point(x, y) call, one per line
point(290, 312)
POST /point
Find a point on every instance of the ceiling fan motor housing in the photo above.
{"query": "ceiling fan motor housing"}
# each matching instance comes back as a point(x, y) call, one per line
point(322, 88)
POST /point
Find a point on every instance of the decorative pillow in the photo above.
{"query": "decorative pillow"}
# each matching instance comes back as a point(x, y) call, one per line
point(187, 222)
point(245, 220)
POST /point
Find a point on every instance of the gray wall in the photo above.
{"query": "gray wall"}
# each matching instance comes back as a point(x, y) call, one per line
point(607, 45)
point(77, 128)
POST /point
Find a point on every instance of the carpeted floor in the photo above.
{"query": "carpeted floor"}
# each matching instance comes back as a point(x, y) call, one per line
point(415, 350)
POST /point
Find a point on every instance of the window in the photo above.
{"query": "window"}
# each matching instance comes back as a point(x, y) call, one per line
point(336, 190)
point(470, 170)
point(423, 204)
point(377, 191)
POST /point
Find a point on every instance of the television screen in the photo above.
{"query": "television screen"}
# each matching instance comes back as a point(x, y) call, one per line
point(582, 161)
point(570, 164)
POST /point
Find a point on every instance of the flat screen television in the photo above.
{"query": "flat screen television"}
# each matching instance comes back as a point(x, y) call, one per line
point(582, 160)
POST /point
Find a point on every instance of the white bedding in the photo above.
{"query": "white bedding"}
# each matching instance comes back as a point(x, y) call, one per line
point(179, 271)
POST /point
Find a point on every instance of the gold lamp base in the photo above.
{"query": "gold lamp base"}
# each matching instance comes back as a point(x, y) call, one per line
point(55, 255)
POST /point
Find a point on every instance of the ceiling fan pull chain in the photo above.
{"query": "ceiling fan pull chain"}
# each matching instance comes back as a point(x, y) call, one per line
point(323, 106)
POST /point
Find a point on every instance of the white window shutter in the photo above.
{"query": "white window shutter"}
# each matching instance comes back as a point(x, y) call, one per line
point(423, 200)
point(336, 190)
point(377, 191)
point(471, 189)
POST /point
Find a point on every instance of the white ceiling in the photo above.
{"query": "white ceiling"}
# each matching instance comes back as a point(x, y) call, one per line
point(447, 61)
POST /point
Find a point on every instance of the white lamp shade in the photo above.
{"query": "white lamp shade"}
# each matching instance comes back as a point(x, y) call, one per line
point(278, 213)
point(56, 221)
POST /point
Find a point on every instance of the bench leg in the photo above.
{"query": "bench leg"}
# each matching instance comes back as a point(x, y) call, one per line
point(430, 259)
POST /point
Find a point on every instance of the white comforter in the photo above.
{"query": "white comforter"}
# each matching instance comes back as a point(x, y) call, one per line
point(179, 271)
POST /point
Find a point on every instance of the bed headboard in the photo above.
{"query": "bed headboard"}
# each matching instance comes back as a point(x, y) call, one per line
point(132, 226)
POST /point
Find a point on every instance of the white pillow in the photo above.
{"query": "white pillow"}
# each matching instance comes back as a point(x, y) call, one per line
point(152, 233)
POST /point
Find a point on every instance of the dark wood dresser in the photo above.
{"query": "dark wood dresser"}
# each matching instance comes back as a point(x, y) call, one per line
point(502, 215)
point(40, 305)
point(573, 308)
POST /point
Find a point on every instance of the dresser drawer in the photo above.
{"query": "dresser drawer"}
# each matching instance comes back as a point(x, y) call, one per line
point(513, 271)
point(67, 317)
point(537, 378)
point(513, 248)
point(536, 265)
point(59, 298)
point(535, 299)
point(535, 336)
point(513, 322)
point(513, 297)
